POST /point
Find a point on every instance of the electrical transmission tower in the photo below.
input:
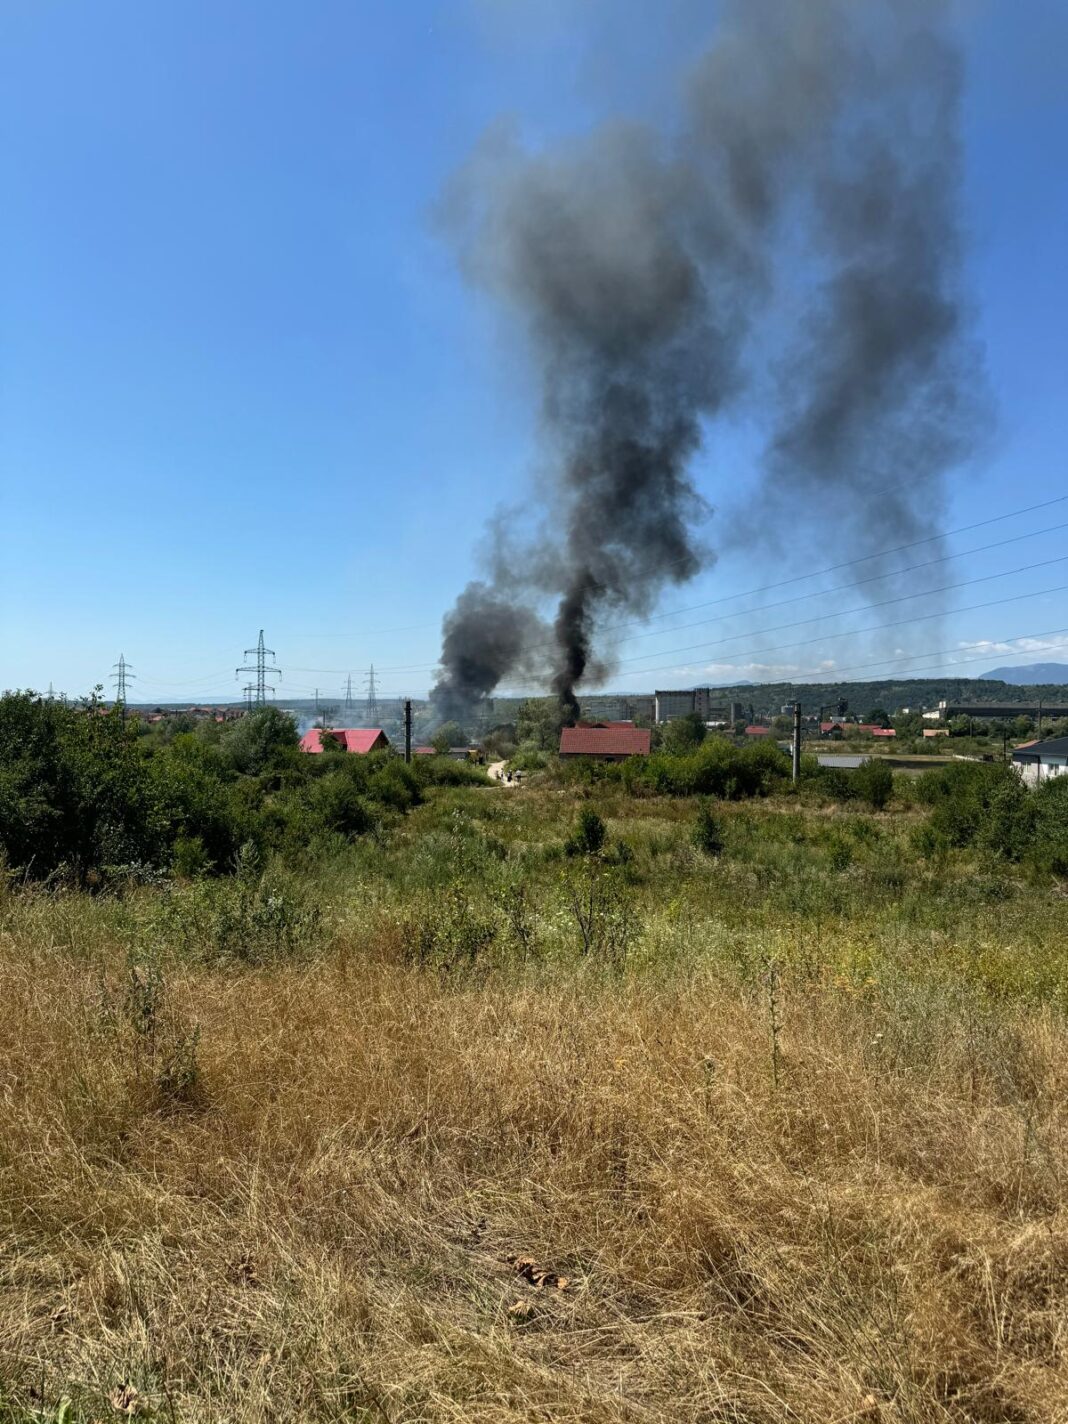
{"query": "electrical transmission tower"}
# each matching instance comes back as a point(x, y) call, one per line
point(372, 699)
point(257, 690)
point(122, 673)
point(348, 693)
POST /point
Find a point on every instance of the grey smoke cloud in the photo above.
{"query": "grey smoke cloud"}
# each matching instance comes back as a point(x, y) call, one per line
point(635, 264)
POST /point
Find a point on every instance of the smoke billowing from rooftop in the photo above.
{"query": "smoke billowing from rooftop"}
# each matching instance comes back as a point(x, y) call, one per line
point(816, 144)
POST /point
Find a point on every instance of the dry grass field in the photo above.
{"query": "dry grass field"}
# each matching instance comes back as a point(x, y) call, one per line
point(342, 1185)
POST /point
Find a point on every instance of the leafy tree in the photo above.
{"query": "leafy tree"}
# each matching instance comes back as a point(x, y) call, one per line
point(874, 783)
point(83, 794)
point(683, 734)
point(538, 723)
point(879, 717)
point(262, 741)
point(449, 734)
point(588, 837)
point(74, 789)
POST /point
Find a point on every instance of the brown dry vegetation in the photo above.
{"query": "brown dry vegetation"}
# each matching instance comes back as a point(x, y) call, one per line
point(830, 1189)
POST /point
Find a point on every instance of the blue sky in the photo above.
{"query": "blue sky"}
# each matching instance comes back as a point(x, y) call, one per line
point(242, 384)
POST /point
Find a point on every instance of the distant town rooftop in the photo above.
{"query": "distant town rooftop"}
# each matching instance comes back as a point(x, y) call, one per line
point(359, 740)
point(612, 742)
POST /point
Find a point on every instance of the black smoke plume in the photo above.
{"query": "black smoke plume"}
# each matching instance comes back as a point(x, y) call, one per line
point(637, 265)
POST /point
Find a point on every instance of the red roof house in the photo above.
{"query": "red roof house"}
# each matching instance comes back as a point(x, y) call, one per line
point(351, 739)
point(756, 731)
point(605, 743)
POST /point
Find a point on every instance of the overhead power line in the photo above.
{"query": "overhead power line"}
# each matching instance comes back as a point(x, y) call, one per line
point(798, 578)
point(252, 690)
point(834, 674)
point(846, 612)
point(858, 583)
point(986, 656)
point(881, 627)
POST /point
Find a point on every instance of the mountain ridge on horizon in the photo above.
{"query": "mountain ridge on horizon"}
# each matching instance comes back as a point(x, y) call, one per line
point(1030, 675)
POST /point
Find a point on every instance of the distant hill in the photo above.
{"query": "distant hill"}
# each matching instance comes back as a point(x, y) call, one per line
point(1030, 676)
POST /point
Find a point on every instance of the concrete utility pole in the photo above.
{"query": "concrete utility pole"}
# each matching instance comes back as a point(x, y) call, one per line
point(407, 729)
point(797, 743)
point(256, 692)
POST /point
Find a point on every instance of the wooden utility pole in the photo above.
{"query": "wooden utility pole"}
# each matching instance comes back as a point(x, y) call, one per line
point(797, 743)
point(407, 729)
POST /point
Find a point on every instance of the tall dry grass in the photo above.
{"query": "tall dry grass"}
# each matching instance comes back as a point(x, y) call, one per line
point(320, 1226)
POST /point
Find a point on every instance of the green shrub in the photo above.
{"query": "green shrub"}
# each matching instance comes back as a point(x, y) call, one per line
point(873, 782)
point(190, 857)
point(445, 771)
point(707, 833)
point(453, 934)
point(1050, 846)
point(241, 920)
point(715, 768)
point(588, 837)
point(839, 853)
point(529, 758)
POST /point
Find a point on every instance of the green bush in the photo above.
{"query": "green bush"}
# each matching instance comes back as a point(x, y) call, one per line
point(528, 758)
point(84, 795)
point(715, 768)
point(707, 834)
point(445, 771)
point(244, 920)
point(987, 805)
point(588, 837)
point(1050, 847)
point(874, 783)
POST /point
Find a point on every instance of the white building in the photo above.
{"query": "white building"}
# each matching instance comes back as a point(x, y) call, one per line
point(1038, 761)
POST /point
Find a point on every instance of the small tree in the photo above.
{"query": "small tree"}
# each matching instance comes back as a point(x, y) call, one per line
point(449, 734)
point(707, 834)
point(683, 734)
point(260, 741)
point(588, 837)
point(538, 723)
point(874, 783)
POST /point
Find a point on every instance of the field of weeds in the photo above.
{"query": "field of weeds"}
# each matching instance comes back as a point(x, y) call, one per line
point(476, 1120)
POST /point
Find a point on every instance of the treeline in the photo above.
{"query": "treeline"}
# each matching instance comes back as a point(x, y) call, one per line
point(987, 805)
point(89, 796)
point(889, 692)
point(716, 766)
point(984, 805)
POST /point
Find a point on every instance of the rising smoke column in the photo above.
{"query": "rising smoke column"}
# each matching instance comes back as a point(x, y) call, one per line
point(472, 665)
point(636, 263)
point(883, 390)
point(593, 249)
